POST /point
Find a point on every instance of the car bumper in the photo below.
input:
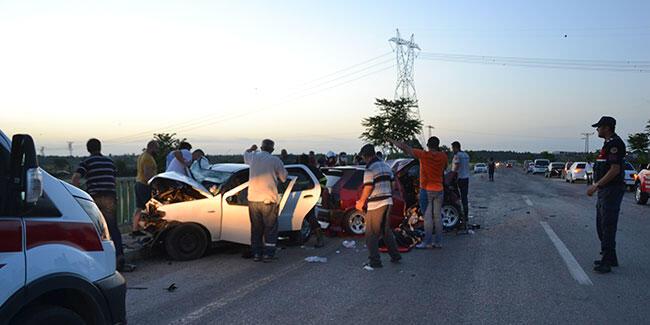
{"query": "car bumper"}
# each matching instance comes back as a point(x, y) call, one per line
point(113, 289)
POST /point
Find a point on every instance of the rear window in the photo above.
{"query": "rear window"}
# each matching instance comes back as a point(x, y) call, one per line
point(580, 166)
point(542, 163)
point(558, 165)
point(355, 180)
point(480, 165)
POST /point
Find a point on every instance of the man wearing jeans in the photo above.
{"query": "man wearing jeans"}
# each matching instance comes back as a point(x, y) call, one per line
point(378, 194)
point(265, 171)
point(460, 166)
point(432, 168)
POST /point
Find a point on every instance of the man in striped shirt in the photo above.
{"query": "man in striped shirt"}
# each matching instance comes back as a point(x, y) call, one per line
point(378, 194)
point(99, 173)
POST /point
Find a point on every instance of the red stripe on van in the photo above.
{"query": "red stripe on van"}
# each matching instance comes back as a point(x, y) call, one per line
point(11, 236)
point(80, 235)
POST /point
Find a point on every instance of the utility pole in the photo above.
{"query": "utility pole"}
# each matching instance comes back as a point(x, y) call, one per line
point(585, 137)
point(70, 147)
point(405, 54)
point(430, 127)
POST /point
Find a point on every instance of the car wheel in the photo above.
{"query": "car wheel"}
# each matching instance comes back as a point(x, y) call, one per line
point(302, 236)
point(450, 216)
point(356, 222)
point(639, 196)
point(48, 314)
point(186, 242)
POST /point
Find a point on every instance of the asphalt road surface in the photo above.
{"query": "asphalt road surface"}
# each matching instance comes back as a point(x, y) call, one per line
point(531, 262)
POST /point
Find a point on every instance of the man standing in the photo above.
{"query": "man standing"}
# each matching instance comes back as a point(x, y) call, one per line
point(491, 167)
point(99, 172)
point(460, 167)
point(432, 169)
point(179, 160)
point(377, 193)
point(610, 185)
point(146, 169)
point(265, 171)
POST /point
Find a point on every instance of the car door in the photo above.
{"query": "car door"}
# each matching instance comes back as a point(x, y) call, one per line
point(235, 219)
point(301, 199)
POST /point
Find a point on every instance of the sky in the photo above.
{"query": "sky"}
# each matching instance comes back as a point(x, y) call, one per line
point(226, 74)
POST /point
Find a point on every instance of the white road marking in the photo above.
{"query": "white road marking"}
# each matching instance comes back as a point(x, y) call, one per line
point(574, 268)
point(234, 296)
point(528, 201)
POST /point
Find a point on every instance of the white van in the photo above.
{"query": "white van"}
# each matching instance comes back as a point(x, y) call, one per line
point(57, 261)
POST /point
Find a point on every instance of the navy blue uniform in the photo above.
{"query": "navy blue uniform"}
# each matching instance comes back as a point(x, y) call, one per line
point(610, 195)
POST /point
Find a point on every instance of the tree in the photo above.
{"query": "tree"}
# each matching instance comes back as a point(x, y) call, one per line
point(166, 143)
point(639, 143)
point(396, 120)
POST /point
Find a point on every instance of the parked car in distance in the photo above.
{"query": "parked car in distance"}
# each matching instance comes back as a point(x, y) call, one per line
point(480, 168)
point(540, 166)
point(508, 165)
point(579, 171)
point(642, 191)
point(630, 176)
point(554, 170)
point(566, 168)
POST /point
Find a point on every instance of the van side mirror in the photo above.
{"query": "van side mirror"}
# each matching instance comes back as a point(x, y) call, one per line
point(26, 179)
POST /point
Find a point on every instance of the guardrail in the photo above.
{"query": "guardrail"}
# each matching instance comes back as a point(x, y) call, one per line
point(125, 188)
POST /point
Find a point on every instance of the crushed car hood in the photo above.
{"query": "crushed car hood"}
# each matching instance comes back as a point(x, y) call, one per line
point(183, 179)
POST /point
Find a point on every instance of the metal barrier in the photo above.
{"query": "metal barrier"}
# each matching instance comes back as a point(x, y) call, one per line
point(125, 188)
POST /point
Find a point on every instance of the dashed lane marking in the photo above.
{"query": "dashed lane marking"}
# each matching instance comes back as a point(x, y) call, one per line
point(574, 268)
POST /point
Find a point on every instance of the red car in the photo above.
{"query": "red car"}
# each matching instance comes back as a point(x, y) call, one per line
point(345, 185)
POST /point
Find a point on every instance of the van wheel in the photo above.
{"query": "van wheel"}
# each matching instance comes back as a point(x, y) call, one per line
point(639, 196)
point(47, 314)
point(355, 222)
point(186, 242)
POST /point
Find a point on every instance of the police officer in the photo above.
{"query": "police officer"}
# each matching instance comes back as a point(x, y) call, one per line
point(610, 185)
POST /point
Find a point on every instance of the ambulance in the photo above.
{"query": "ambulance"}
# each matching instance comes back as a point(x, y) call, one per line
point(57, 260)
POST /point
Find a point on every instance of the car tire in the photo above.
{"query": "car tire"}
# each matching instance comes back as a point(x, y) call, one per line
point(640, 197)
point(48, 314)
point(450, 216)
point(186, 242)
point(301, 236)
point(355, 222)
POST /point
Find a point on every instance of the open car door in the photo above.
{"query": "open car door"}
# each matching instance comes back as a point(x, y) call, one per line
point(302, 198)
point(236, 224)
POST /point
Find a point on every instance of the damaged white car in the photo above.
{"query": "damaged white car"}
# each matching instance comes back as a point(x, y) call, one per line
point(186, 214)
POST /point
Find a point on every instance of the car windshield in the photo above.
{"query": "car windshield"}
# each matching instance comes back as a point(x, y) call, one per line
point(213, 177)
point(581, 166)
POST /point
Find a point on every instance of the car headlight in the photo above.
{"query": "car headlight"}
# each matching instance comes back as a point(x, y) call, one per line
point(96, 217)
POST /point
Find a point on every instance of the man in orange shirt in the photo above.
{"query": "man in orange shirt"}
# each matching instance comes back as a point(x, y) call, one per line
point(432, 170)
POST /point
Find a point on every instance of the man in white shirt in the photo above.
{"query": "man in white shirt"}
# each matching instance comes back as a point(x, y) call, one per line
point(460, 166)
point(265, 172)
point(180, 159)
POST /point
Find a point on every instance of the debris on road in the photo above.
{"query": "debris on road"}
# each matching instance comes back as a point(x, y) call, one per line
point(349, 244)
point(368, 268)
point(172, 287)
point(338, 252)
point(316, 259)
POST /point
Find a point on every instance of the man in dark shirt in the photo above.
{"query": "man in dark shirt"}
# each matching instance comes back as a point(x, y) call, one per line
point(99, 172)
point(491, 168)
point(610, 185)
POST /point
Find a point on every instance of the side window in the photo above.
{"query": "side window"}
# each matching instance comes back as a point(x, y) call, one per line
point(303, 182)
point(355, 180)
point(241, 198)
point(236, 180)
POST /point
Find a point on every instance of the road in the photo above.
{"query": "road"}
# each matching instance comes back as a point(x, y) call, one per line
point(531, 262)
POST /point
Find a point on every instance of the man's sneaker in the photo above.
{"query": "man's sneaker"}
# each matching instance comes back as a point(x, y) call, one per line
point(603, 268)
point(374, 265)
point(126, 268)
point(268, 258)
point(257, 258)
point(423, 246)
point(598, 262)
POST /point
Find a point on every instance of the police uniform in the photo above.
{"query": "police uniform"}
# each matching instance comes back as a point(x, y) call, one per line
point(610, 194)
